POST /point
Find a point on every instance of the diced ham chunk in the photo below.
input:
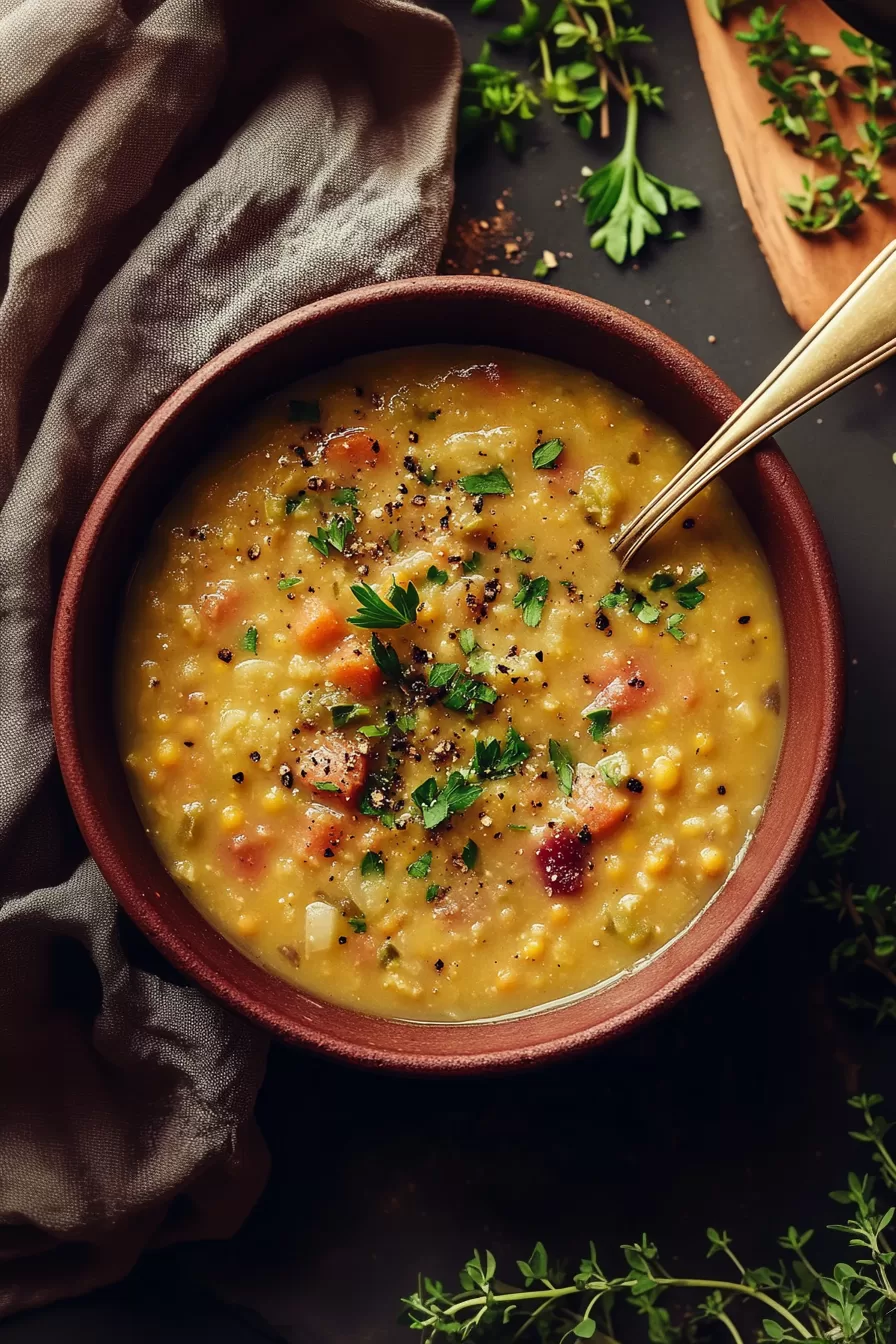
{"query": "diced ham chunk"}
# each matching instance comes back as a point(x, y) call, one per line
point(352, 669)
point(220, 606)
point(334, 767)
point(247, 853)
point(597, 805)
point(320, 833)
point(625, 690)
point(562, 860)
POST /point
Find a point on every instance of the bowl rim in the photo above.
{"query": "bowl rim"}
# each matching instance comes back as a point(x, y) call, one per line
point(717, 398)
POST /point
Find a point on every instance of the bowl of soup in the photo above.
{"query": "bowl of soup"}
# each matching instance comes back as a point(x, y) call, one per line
point(363, 723)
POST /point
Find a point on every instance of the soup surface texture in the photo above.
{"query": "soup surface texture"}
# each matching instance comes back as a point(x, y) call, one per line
point(394, 720)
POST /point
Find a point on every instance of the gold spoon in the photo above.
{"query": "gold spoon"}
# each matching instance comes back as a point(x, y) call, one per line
point(856, 333)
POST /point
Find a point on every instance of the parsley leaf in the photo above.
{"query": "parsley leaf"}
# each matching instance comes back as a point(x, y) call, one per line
point(358, 923)
point(308, 411)
point(386, 658)
point(470, 853)
point(532, 597)
point(344, 714)
point(296, 501)
point(612, 768)
point(373, 864)
point(394, 540)
point(436, 804)
point(644, 610)
point(327, 787)
point(289, 583)
point(420, 867)
point(377, 613)
point(546, 454)
point(618, 598)
point(661, 581)
point(433, 891)
point(375, 729)
point(439, 576)
point(467, 641)
point(562, 762)
point(346, 494)
point(598, 722)
point(490, 761)
point(518, 553)
point(689, 595)
point(249, 641)
point(674, 626)
point(441, 674)
point(474, 564)
point(464, 692)
point(493, 482)
point(334, 535)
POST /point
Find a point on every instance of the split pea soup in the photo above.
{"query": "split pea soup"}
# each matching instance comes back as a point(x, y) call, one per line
point(394, 720)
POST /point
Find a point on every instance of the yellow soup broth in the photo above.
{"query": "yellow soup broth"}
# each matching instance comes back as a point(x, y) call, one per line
point(394, 720)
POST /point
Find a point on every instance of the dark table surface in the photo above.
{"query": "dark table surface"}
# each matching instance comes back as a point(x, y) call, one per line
point(730, 1110)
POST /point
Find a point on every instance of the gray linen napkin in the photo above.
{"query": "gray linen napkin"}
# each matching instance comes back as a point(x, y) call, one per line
point(172, 174)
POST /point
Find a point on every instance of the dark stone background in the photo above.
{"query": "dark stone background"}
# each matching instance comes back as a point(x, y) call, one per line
point(730, 1110)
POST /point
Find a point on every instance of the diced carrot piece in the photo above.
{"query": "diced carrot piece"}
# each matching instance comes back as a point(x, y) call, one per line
point(362, 949)
point(320, 833)
point(597, 805)
point(334, 760)
point(353, 451)
point(352, 669)
point(221, 605)
point(318, 627)
point(247, 853)
point(625, 691)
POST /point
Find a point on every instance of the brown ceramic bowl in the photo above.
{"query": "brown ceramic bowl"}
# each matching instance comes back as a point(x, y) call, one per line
point(522, 316)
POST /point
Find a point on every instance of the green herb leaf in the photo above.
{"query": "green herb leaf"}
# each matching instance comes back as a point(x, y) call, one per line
point(436, 804)
point(532, 597)
point(518, 553)
point(345, 714)
point(346, 494)
point(308, 411)
point(283, 584)
point(249, 641)
point(439, 576)
point(473, 564)
point(334, 536)
point(466, 694)
point(395, 540)
point(598, 722)
point(491, 761)
point(420, 867)
point(470, 854)
point(375, 730)
point(386, 658)
point(674, 624)
point(433, 892)
point(689, 595)
point(546, 454)
point(467, 641)
point(327, 787)
point(296, 501)
point(373, 864)
point(493, 482)
point(661, 581)
point(644, 610)
point(613, 768)
point(358, 923)
point(562, 762)
point(377, 613)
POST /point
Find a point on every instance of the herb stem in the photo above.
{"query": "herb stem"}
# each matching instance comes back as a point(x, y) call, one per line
point(730, 1327)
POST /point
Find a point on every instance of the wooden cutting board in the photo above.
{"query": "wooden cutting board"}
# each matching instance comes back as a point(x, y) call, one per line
point(809, 272)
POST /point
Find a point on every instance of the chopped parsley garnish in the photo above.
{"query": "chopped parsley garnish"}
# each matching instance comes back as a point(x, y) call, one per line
point(327, 787)
point(334, 535)
point(296, 501)
point(561, 760)
point(661, 581)
point(307, 411)
point(491, 761)
point(420, 867)
point(467, 641)
point(436, 804)
point(376, 800)
point(464, 693)
point(388, 952)
point(373, 864)
point(470, 853)
point(546, 454)
point(346, 494)
point(394, 540)
point(386, 658)
point(689, 595)
point(358, 923)
point(514, 826)
point(289, 583)
point(492, 482)
point(532, 597)
point(406, 723)
point(519, 553)
point(612, 769)
point(674, 625)
point(617, 598)
point(480, 663)
point(375, 729)
point(439, 576)
point(377, 613)
point(598, 722)
point(473, 564)
point(433, 892)
point(344, 714)
point(644, 610)
point(427, 477)
point(249, 641)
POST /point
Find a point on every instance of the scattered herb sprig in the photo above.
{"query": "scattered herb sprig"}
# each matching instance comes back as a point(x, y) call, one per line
point(390, 613)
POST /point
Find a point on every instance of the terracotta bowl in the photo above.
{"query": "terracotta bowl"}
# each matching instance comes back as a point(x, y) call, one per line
point(521, 316)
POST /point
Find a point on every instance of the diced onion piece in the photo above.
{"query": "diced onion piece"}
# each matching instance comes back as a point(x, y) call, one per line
point(321, 921)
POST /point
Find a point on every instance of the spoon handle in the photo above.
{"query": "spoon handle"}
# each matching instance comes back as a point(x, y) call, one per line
point(856, 333)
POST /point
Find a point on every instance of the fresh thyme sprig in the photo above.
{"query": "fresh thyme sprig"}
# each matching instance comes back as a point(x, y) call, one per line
point(792, 1298)
point(867, 955)
point(579, 52)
